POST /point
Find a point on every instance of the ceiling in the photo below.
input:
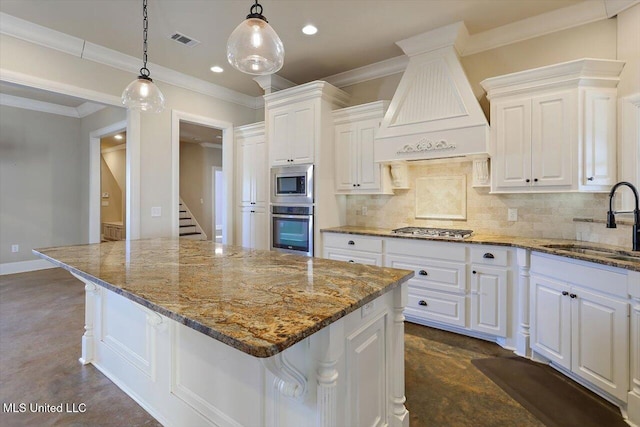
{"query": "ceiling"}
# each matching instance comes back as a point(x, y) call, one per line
point(352, 33)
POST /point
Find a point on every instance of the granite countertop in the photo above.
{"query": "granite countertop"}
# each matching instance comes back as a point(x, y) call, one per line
point(534, 244)
point(259, 302)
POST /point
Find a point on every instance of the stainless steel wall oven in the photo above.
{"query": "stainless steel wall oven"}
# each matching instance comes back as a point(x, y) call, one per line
point(292, 229)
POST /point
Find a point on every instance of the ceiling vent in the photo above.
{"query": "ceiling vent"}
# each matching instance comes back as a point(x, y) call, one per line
point(185, 40)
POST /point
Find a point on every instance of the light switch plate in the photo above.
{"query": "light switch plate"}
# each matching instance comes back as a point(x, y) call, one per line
point(15, 248)
point(512, 214)
point(156, 211)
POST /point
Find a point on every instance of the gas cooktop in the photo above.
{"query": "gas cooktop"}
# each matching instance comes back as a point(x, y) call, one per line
point(434, 232)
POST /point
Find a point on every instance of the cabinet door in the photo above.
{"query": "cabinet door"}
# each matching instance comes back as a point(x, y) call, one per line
point(551, 320)
point(489, 300)
point(246, 232)
point(512, 135)
point(260, 229)
point(280, 132)
point(599, 138)
point(304, 130)
point(245, 167)
point(600, 336)
point(260, 175)
point(344, 147)
point(368, 171)
point(553, 139)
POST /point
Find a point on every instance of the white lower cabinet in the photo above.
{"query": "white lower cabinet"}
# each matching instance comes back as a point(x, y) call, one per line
point(580, 321)
point(253, 230)
point(488, 311)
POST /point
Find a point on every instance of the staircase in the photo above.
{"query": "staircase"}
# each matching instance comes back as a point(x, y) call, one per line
point(189, 227)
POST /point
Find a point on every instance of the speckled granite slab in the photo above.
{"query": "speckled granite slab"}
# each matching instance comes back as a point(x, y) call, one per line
point(259, 302)
point(534, 244)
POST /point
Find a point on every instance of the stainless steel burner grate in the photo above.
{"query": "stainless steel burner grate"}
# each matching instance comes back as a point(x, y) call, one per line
point(434, 232)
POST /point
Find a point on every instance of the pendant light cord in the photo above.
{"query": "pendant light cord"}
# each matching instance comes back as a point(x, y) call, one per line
point(144, 71)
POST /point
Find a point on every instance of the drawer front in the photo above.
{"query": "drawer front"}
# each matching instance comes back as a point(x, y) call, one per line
point(437, 306)
point(353, 256)
point(489, 255)
point(432, 274)
point(427, 249)
point(353, 242)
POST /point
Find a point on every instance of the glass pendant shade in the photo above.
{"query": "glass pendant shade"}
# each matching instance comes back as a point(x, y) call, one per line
point(142, 94)
point(255, 48)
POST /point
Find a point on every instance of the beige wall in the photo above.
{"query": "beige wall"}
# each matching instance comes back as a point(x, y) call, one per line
point(629, 50)
point(195, 181)
point(155, 146)
point(41, 182)
point(542, 215)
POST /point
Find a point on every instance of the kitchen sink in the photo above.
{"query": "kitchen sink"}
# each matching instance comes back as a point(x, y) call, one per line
point(590, 250)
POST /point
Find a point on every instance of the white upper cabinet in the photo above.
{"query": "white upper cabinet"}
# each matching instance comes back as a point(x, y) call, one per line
point(355, 129)
point(292, 133)
point(553, 129)
point(252, 170)
point(298, 123)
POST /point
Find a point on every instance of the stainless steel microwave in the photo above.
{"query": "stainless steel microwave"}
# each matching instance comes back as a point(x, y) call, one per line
point(292, 184)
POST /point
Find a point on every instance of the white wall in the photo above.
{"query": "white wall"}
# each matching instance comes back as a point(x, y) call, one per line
point(41, 182)
point(155, 139)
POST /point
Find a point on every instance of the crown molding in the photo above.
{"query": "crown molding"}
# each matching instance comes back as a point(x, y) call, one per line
point(369, 72)
point(211, 145)
point(48, 107)
point(614, 7)
point(37, 34)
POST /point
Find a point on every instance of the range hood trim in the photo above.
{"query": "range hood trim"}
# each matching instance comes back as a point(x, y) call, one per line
point(433, 113)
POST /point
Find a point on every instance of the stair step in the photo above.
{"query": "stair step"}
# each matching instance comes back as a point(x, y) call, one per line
point(182, 211)
point(189, 234)
point(187, 225)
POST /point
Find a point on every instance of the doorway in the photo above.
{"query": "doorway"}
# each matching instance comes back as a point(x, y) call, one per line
point(198, 145)
point(113, 190)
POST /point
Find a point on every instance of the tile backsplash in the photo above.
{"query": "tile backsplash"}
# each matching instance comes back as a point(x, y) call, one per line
point(539, 215)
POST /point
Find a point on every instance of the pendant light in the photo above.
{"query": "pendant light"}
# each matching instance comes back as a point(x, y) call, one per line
point(254, 47)
point(142, 93)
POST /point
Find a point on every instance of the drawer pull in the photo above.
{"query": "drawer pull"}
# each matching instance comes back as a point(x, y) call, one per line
point(351, 242)
point(488, 255)
point(474, 272)
point(573, 295)
point(565, 293)
point(423, 273)
point(422, 302)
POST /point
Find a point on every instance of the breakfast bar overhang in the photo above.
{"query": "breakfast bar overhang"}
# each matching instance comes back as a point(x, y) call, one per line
point(200, 333)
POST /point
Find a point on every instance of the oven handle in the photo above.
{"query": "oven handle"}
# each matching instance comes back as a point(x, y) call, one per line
point(291, 216)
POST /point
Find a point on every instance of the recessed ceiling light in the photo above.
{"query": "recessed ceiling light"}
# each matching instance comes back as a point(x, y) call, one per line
point(309, 30)
point(216, 69)
point(118, 137)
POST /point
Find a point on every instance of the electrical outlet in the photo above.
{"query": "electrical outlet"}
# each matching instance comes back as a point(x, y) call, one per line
point(512, 214)
point(156, 211)
point(364, 211)
point(15, 248)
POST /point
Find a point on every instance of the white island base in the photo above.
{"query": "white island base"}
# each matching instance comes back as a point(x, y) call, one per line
point(351, 373)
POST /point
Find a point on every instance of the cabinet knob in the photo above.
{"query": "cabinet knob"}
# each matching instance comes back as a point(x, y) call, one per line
point(488, 255)
point(474, 272)
point(253, 211)
point(422, 302)
point(573, 296)
point(590, 178)
point(565, 293)
point(535, 179)
point(354, 185)
point(351, 261)
point(358, 185)
point(423, 273)
point(527, 180)
point(351, 242)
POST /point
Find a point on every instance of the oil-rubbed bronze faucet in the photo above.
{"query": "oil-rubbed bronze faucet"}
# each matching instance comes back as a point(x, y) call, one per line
point(611, 215)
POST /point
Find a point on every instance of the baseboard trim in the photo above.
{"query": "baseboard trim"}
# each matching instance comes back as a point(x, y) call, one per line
point(24, 266)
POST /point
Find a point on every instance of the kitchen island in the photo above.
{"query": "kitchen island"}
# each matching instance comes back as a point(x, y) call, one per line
point(200, 333)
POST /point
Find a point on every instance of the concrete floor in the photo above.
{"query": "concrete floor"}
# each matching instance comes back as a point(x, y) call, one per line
point(41, 324)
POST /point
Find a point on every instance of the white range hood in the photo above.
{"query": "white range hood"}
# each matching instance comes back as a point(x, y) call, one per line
point(434, 113)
